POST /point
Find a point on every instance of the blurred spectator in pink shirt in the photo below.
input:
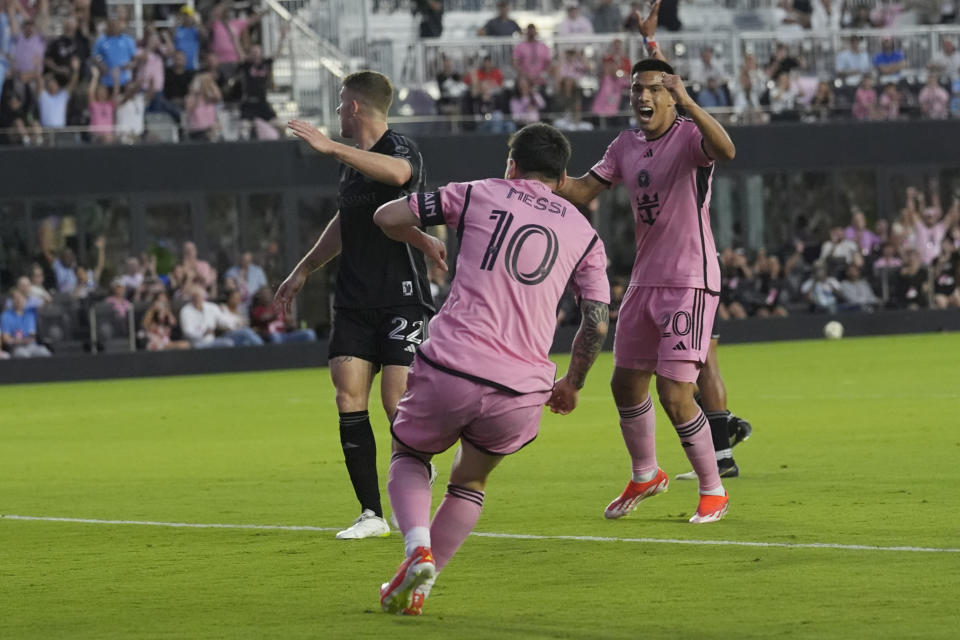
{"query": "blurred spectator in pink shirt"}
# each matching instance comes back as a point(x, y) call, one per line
point(865, 100)
point(609, 94)
point(227, 35)
point(200, 270)
point(118, 300)
point(934, 99)
point(102, 108)
point(28, 47)
point(531, 58)
point(152, 68)
point(525, 105)
point(572, 65)
point(574, 23)
point(888, 106)
point(202, 102)
point(859, 233)
point(927, 227)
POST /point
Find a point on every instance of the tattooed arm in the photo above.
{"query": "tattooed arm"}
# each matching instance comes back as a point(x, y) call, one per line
point(586, 346)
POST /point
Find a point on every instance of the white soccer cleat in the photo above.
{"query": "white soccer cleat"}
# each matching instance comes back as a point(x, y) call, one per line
point(689, 475)
point(368, 525)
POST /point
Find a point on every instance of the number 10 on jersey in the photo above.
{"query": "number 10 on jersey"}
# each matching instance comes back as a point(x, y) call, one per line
point(514, 249)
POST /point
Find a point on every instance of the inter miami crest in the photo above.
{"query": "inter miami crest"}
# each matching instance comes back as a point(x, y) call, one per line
point(643, 179)
point(648, 209)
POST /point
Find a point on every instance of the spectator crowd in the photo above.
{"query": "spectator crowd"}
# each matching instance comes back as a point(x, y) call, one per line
point(66, 66)
point(912, 262)
point(71, 70)
point(190, 306)
point(580, 87)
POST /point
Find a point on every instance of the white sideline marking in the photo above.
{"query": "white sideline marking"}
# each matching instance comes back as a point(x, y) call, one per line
point(177, 525)
point(511, 536)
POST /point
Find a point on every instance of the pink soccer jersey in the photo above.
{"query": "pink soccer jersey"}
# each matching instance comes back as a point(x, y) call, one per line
point(668, 180)
point(519, 246)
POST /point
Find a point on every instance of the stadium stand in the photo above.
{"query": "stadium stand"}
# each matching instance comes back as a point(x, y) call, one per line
point(185, 77)
point(752, 61)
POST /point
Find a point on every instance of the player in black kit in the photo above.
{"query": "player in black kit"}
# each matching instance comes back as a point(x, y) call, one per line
point(382, 300)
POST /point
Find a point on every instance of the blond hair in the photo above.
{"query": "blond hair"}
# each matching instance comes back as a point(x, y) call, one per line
point(373, 89)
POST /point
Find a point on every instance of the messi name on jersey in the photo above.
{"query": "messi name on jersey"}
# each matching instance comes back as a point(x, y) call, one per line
point(538, 203)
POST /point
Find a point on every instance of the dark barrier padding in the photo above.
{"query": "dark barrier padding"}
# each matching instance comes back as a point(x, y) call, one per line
point(270, 357)
point(62, 173)
point(854, 325)
point(807, 327)
point(163, 363)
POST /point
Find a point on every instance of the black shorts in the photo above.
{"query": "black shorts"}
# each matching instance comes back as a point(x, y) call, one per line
point(388, 336)
point(714, 331)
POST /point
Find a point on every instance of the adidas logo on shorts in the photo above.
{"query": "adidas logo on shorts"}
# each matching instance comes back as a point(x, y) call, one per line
point(680, 346)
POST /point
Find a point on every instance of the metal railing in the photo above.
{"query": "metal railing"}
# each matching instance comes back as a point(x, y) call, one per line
point(817, 50)
point(313, 67)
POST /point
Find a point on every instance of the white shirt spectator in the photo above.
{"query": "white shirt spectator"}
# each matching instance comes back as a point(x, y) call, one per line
point(854, 63)
point(858, 292)
point(822, 292)
point(254, 280)
point(701, 71)
point(132, 281)
point(823, 19)
point(53, 109)
point(843, 249)
point(230, 320)
point(129, 117)
point(947, 64)
point(199, 327)
point(926, 240)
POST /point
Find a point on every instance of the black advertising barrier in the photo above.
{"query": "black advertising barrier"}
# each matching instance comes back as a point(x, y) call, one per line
point(83, 170)
point(272, 357)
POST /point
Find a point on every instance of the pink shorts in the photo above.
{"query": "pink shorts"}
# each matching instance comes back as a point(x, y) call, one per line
point(666, 330)
point(440, 408)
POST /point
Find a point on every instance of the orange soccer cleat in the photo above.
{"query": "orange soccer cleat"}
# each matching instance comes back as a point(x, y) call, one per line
point(634, 493)
point(398, 595)
point(711, 509)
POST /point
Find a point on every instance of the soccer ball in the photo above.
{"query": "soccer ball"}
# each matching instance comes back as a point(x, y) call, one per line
point(833, 330)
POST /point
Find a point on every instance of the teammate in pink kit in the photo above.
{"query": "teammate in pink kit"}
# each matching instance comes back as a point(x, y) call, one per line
point(667, 314)
point(483, 375)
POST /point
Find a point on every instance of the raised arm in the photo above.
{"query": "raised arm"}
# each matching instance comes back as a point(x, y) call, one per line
point(74, 75)
point(376, 166)
point(716, 141)
point(648, 29)
point(326, 249)
point(595, 317)
point(581, 191)
point(167, 47)
point(953, 213)
point(92, 85)
point(284, 29)
point(910, 211)
point(101, 244)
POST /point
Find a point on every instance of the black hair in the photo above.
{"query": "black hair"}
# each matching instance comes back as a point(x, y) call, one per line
point(652, 64)
point(540, 149)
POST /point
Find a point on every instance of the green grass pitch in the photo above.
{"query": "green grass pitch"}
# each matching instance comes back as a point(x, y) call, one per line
point(856, 442)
